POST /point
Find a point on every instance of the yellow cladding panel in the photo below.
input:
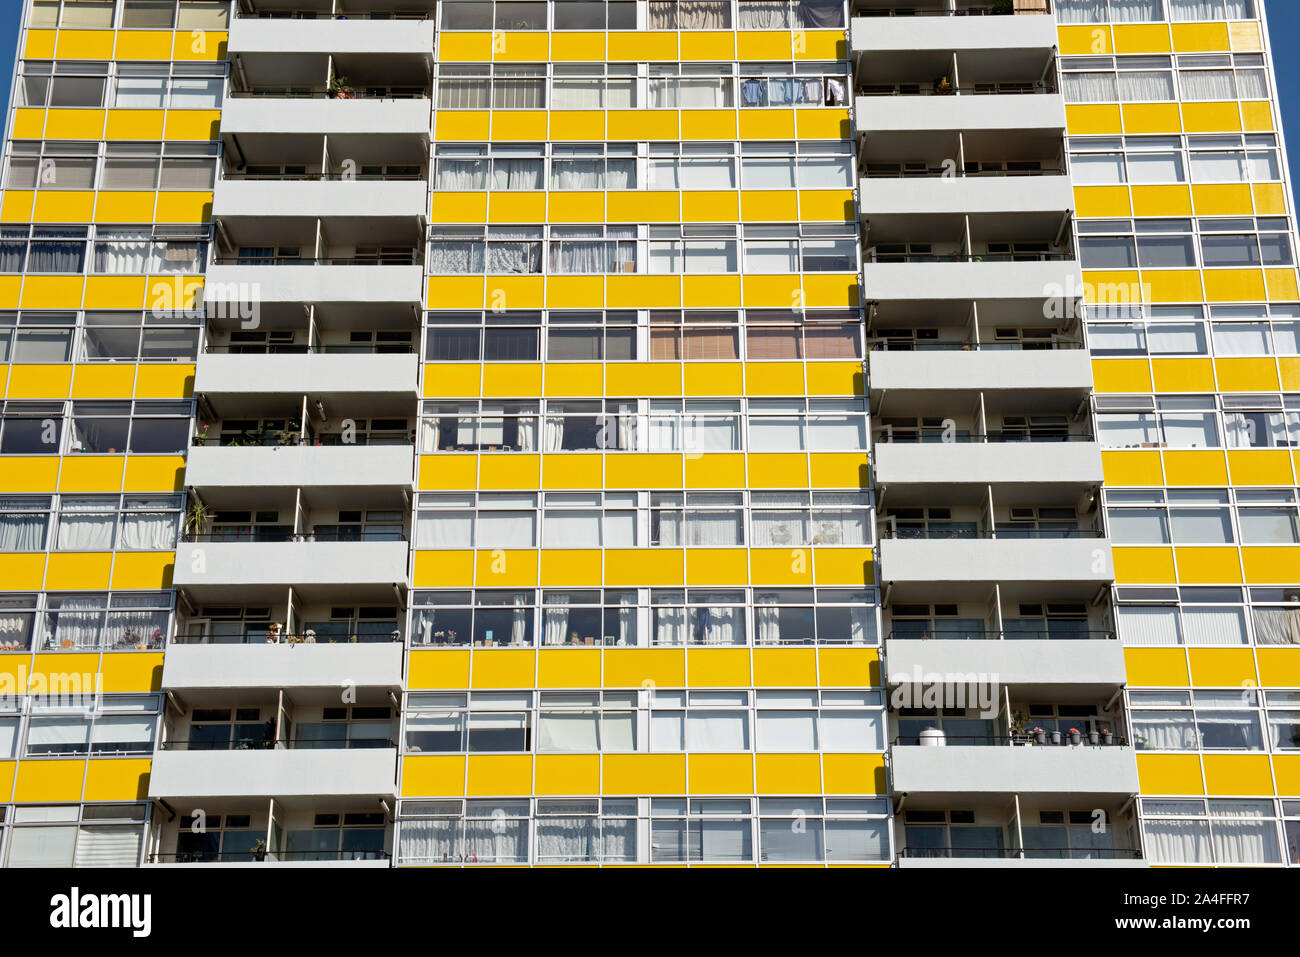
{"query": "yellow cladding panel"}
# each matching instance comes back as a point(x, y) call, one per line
point(577, 207)
point(1183, 375)
point(572, 470)
point(521, 46)
point(505, 568)
point(7, 769)
point(643, 774)
point(1102, 200)
point(1211, 117)
point(659, 45)
point(52, 292)
point(577, 125)
point(632, 292)
point(715, 470)
point(827, 205)
point(643, 470)
point(63, 206)
point(822, 125)
point(848, 667)
point(1261, 467)
point(785, 668)
point(1270, 199)
point(642, 124)
point(568, 668)
point(37, 473)
point(461, 292)
point(1162, 201)
point(854, 774)
point(788, 774)
point(781, 566)
point(716, 566)
point(460, 379)
point(433, 775)
point(1274, 565)
point(720, 773)
point(519, 124)
point(651, 206)
point(1243, 36)
point(502, 667)
point(575, 292)
point(1197, 37)
point(1084, 39)
point(1281, 284)
point(708, 124)
point(17, 207)
point(1238, 774)
point(519, 207)
point(143, 570)
point(190, 207)
point(74, 124)
point(1085, 119)
point(192, 124)
point(40, 45)
point(765, 45)
point(844, 566)
point(820, 45)
point(444, 569)
point(28, 124)
point(840, 469)
point(22, 572)
point(1141, 38)
point(509, 471)
point(143, 45)
point(708, 45)
point(164, 381)
point(117, 779)
point(771, 291)
point(39, 381)
point(1156, 667)
point(200, 45)
point(1171, 285)
point(79, 571)
point(714, 378)
point(470, 47)
point(459, 207)
point(512, 379)
point(49, 782)
point(699, 292)
point(567, 774)
point(1170, 774)
point(1257, 116)
point(1121, 375)
point(769, 205)
point(766, 124)
point(774, 378)
point(439, 668)
point(1290, 369)
point(571, 566)
point(1234, 285)
point(458, 125)
point(154, 473)
point(632, 568)
point(830, 291)
point(1222, 667)
point(1246, 375)
point(123, 207)
point(710, 206)
point(1141, 468)
point(1286, 771)
point(835, 378)
point(92, 473)
point(1137, 566)
point(1279, 668)
point(84, 45)
point(9, 289)
point(132, 672)
point(499, 774)
point(717, 667)
point(1117, 287)
point(1223, 199)
point(515, 292)
point(108, 381)
point(645, 668)
point(778, 470)
point(1207, 565)
point(643, 378)
point(577, 46)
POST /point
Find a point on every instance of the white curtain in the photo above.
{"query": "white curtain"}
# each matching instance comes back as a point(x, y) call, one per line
point(461, 174)
point(1090, 88)
point(1214, 626)
point(712, 529)
point(150, 531)
point(1149, 625)
point(764, 15)
point(670, 626)
point(519, 621)
point(516, 174)
point(718, 625)
point(717, 731)
point(579, 256)
point(578, 174)
point(497, 841)
point(577, 94)
point(455, 257)
point(1177, 842)
point(571, 529)
point(555, 626)
point(78, 623)
point(1195, 9)
point(1130, 11)
point(89, 528)
point(1081, 11)
point(1252, 85)
point(1243, 833)
point(121, 256)
point(767, 619)
point(444, 529)
point(1207, 85)
point(506, 529)
point(1164, 730)
point(132, 627)
point(553, 433)
point(779, 529)
point(1139, 86)
point(568, 839)
point(1277, 626)
point(846, 525)
point(426, 842)
point(568, 731)
point(22, 532)
point(853, 731)
point(786, 731)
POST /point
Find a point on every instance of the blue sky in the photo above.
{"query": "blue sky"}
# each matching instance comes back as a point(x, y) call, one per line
point(1284, 29)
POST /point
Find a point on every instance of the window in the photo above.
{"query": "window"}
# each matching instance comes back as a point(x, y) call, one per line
point(141, 427)
point(1117, 11)
point(690, 15)
point(31, 428)
point(121, 725)
point(1231, 831)
point(93, 835)
point(121, 621)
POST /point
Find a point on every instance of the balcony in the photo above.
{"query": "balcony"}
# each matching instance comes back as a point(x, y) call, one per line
point(314, 773)
point(308, 467)
point(1065, 858)
point(979, 369)
point(320, 197)
point(1064, 562)
point(963, 111)
point(223, 565)
point(878, 195)
point(1090, 664)
point(955, 277)
point(945, 34)
point(961, 773)
point(340, 375)
point(1015, 466)
point(292, 667)
point(351, 35)
point(233, 285)
point(275, 110)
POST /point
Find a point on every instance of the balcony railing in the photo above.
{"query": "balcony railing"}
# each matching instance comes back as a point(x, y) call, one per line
point(921, 345)
point(893, 171)
point(285, 349)
point(346, 742)
point(1032, 738)
point(940, 437)
point(325, 93)
point(966, 530)
point(326, 177)
point(242, 857)
point(320, 533)
point(275, 438)
point(413, 259)
point(1012, 257)
point(1029, 854)
point(924, 633)
point(325, 15)
point(344, 634)
point(1005, 88)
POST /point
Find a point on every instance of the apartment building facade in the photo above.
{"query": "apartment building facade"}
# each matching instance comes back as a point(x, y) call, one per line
point(645, 432)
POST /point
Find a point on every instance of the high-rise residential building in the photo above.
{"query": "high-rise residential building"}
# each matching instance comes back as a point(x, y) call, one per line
point(830, 432)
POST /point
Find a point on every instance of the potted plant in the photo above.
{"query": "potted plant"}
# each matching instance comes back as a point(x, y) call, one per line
point(1094, 737)
point(1075, 736)
point(339, 88)
point(1040, 736)
point(1107, 738)
point(259, 850)
point(1056, 737)
point(201, 436)
point(198, 518)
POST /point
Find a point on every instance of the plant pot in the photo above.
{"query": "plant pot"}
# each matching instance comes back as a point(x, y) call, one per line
point(1040, 737)
point(1075, 737)
point(1094, 738)
point(1056, 737)
point(1107, 738)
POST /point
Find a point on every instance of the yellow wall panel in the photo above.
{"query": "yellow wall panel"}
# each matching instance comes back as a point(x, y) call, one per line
point(1234, 285)
point(1112, 286)
point(637, 567)
point(646, 45)
point(848, 667)
point(1236, 374)
point(521, 45)
point(1083, 39)
point(1275, 565)
point(708, 45)
point(1270, 199)
point(509, 471)
point(577, 125)
point(63, 206)
point(774, 378)
point(571, 470)
point(39, 381)
point(124, 207)
point(778, 470)
point(502, 668)
point(720, 774)
point(517, 207)
point(764, 45)
point(192, 124)
point(633, 292)
point(434, 775)
point(84, 45)
point(36, 473)
point(1290, 373)
point(1121, 375)
point(577, 46)
point(714, 378)
point(854, 774)
point(164, 381)
point(1171, 285)
point(575, 292)
point(505, 568)
point(17, 207)
point(642, 124)
point(200, 45)
point(1136, 566)
point(1278, 667)
point(716, 566)
point(717, 667)
point(1211, 117)
point(1132, 467)
point(772, 291)
point(1222, 667)
point(571, 566)
point(443, 569)
point(154, 473)
point(567, 774)
point(132, 672)
point(117, 779)
point(184, 207)
point(643, 378)
point(449, 207)
point(788, 773)
point(574, 379)
point(1162, 201)
point(710, 206)
point(456, 46)
point(645, 667)
point(643, 774)
point(769, 205)
point(1260, 467)
point(830, 291)
point(1085, 119)
point(827, 205)
point(1286, 773)
point(40, 44)
point(822, 124)
point(650, 206)
point(143, 570)
point(8, 770)
point(839, 470)
point(835, 378)
point(143, 45)
point(1257, 116)
point(22, 572)
point(459, 379)
point(1183, 375)
point(49, 781)
point(843, 566)
point(1197, 37)
point(1102, 201)
point(512, 379)
point(108, 381)
point(781, 566)
point(1223, 199)
point(576, 207)
point(785, 668)
point(92, 473)
point(1141, 38)
point(715, 470)
point(78, 571)
point(708, 125)
point(515, 292)
point(1246, 774)
point(707, 292)
point(52, 292)
point(1281, 284)
point(499, 774)
point(28, 124)
point(462, 125)
point(643, 470)
point(511, 125)
point(1209, 565)
point(568, 668)
point(1170, 774)
point(820, 45)
point(766, 124)
point(447, 668)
